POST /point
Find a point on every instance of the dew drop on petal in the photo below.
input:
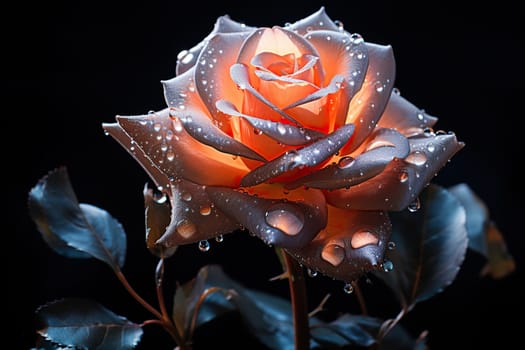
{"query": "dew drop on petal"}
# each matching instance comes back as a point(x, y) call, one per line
point(345, 162)
point(288, 222)
point(333, 253)
point(170, 155)
point(431, 147)
point(387, 265)
point(281, 129)
point(186, 196)
point(205, 210)
point(186, 228)
point(363, 238)
point(348, 288)
point(403, 176)
point(396, 91)
point(417, 158)
point(391, 245)
point(204, 245)
point(414, 205)
point(312, 273)
point(160, 198)
point(219, 238)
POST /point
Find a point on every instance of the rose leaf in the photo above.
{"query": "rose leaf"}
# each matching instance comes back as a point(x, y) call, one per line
point(79, 322)
point(430, 246)
point(72, 229)
point(484, 236)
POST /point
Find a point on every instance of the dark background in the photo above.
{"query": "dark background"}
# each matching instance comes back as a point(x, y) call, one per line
point(74, 65)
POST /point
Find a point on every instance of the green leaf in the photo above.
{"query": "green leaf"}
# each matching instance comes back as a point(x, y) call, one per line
point(346, 330)
point(78, 322)
point(484, 236)
point(430, 247)
point(157, 214)
point(71, 229)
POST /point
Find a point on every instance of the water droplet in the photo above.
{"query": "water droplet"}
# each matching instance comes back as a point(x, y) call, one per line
point(205, 210)
point(170, 155)
point(257, 131)
point(186, 228)
point(391, 245)
point(219, 238)
point(160, 198)
point(182, 54)
point(414, 206)
point(403, 176)
point(396, 91)
point(431, 147)
point(187, 58)
point(157, 127)
point(333, 253)
point(312, 273)
point(363, 238)
point(345, 162)
point(379, 86)
point(289, 223)
point(387, 266)
point(339, 25)
point(204, 246)
point(420, 116)
point(186, 196)
point(348, 288)
point(281, 129)
point(356, 38)
point(417, 158)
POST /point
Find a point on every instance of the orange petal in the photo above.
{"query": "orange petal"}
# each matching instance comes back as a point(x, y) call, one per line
point(189, 109)
point(403, 179)
point(368, 104)
point(352, 244)
point(167, 146)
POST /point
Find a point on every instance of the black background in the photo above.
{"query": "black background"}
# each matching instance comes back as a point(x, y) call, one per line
point(74, 65)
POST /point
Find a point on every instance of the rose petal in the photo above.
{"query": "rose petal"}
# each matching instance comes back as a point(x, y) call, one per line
point(384, 145)
point(309, 156)
point(345, 55)
point(283, 133)
point(369, 103)
point(159, 178)
point(239, 74)
point(403, 179)
point(187, 106)
point(280, 222)
point(316, 21)
point(224, 24)
point(352, 244)
point(194, 216)
point(167, 146)
point(405, 117)
point(212, 73)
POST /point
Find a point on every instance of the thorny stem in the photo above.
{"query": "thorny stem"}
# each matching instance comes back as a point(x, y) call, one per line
point(159, 276)
point(166, 323)
point(387, 326)
point(298, 298)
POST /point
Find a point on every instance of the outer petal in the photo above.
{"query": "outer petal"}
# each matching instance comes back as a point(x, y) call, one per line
point(194, 216)
point(403, 179)
point(369, 103)
point(384, 146)
point(309, 156)
point(405, 117)
point(168, 147)
point(352, 244)
point(187, 58)
point(280, 222)
point(316, 21)
point(188, 107)
point(160, 179)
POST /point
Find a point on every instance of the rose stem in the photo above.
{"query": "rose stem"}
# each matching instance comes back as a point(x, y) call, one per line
point(165, 323)
point(299, 302)
point(360, 298)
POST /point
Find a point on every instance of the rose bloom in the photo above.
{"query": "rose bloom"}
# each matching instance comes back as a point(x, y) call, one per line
point(294, 133)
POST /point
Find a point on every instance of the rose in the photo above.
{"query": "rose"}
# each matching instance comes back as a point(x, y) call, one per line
point(294, 133)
